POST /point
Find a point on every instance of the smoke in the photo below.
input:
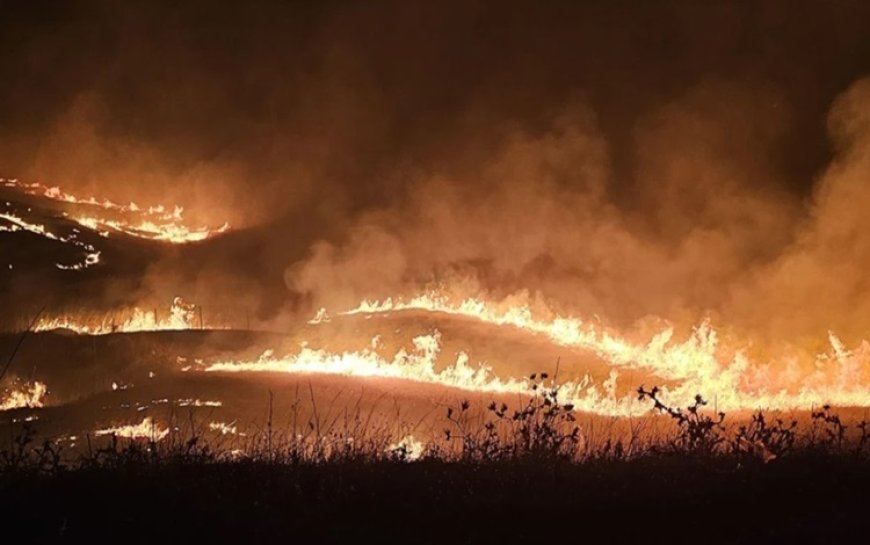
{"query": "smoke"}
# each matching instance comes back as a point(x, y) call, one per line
point(664, 160)
point(820, 281)
point(538, 213)
point(711, 229)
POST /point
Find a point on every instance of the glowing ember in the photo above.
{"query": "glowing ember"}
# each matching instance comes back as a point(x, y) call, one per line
point(32, 396)
point(409, 447)
point(147, 429)
point(181, 315)
point(157, 223)
point(223, 428)
point(198, 403)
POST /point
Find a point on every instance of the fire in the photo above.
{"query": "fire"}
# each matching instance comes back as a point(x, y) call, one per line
point(181, 315)
point(223, 428)
point(17, 223)
point(30, 397)
point(420, 365)
point(695, 365)
point(156, 223)
point(198, 403)
point(416, 365)
point(147, 429)
point(410, 447)
point(165, 229)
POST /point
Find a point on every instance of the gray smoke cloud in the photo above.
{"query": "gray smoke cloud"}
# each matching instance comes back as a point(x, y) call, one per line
point(614, 159)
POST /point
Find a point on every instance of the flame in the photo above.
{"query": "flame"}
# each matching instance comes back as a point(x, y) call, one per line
point(696, 365)
point(147, 429)
point(30, 397)
point(420, 365)
point(162, 230)
point(198, 403)
point(182, 315)
point(156, 223)
point(223, 428)
point(416, 365)
point(17, 223)
point(410, 446)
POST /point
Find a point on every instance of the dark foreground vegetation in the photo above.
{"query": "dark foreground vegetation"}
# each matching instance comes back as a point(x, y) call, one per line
point(522, 475)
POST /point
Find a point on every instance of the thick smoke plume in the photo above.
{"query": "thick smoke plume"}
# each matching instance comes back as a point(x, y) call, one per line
point(674, 160)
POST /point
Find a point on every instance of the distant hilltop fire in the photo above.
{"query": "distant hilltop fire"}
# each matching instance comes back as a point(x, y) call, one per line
point(156, 223)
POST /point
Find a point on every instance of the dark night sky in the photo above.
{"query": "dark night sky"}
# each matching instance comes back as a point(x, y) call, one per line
point(285, 91)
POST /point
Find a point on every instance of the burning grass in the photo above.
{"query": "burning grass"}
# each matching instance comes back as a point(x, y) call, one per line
point(540, 427)
point(157, 223)
point(519, 468)
point(27, 396)
point(496, 473)
point(180, 316)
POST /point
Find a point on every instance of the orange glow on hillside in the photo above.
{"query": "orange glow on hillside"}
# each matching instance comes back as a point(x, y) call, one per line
point(158, 223)
point(693, 365)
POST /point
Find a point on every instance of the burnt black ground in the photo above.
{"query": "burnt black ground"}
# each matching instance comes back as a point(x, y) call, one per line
point(654, 499)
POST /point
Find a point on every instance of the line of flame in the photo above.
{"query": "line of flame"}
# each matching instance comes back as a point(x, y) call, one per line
point(147, 429)
point(696, 365)
point(157, 223)
point(419, 365)
point(181, 316)
point(17, 223)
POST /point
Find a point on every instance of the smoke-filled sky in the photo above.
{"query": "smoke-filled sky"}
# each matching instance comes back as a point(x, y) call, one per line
point(677, 159)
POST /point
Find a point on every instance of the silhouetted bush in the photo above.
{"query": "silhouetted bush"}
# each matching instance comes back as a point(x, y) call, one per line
point(541, 430)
